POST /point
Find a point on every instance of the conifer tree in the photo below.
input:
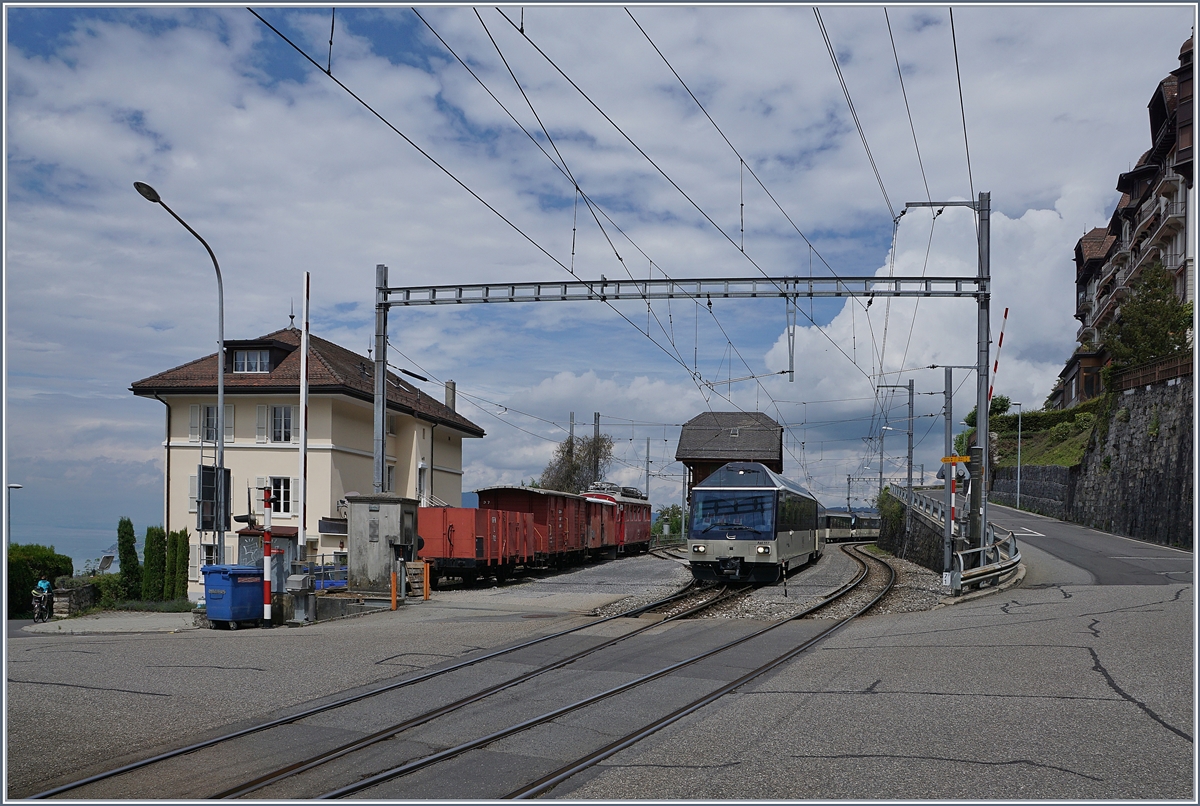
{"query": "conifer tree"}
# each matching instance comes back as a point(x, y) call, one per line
point(156, 560)
point(131, 569)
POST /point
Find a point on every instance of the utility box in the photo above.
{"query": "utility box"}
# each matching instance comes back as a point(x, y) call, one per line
point(233, 594)
point(300, 586)
point(382, 531)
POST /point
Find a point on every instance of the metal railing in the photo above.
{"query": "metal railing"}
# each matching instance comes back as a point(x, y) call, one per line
point(329, 572)
point(998, 556)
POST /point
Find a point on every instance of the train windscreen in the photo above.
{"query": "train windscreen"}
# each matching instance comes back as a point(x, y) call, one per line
point(738, 514)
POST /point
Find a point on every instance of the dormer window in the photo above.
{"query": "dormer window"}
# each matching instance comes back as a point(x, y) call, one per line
point(252, 361)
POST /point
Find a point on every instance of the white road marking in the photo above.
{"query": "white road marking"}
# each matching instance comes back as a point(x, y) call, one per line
point(1176, 559)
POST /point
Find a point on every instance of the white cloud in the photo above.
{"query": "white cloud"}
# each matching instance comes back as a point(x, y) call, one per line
point(282, 172)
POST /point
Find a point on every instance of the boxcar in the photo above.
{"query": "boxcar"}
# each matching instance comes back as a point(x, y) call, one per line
point(559, 521)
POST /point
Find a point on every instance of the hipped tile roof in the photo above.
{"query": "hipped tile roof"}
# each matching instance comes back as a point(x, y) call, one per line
point(331, 368)
point(708, 437)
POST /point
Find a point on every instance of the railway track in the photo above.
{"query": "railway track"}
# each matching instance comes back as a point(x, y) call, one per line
point(399, 740)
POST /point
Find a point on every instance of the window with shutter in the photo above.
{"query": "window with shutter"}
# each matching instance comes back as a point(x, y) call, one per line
point(194, 423)
point(193, 492)
point(229, 422)
point(194, 562)
point(261, 424)
point(295, 423)
point(259, 483)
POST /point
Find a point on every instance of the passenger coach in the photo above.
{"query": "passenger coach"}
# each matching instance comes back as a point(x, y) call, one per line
point(748, 523)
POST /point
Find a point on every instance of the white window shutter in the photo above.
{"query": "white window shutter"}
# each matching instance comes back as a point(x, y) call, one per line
point(295, 423)
point(229, 422)
point(259, 483)
point(193, 491)
point(262, 424)
point(295, 493)
point(194, 423)
point(193, 562)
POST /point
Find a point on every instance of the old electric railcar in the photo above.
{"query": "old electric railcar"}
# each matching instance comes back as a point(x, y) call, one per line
point(748, 523)
point(626, 513)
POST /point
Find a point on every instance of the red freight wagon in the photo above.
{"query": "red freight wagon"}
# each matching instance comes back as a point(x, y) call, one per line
point(471, 543)
point(559, 520)
point(630, 517)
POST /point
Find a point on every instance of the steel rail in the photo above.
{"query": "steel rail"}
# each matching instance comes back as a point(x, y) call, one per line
point(325, 757)
point(451, 752)
point(192, 748)
point(556, 777)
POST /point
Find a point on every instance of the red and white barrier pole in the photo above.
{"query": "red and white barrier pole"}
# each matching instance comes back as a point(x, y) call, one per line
point(266, 558)
point(996, 363)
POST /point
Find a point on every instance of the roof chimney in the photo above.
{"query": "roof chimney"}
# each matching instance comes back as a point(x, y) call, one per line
point(450, 394)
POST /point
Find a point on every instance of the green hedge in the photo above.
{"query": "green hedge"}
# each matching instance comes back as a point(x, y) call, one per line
point(26, 565)
point(1045, 420)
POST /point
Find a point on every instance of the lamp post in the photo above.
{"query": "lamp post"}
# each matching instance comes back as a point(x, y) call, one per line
point(1018, 405)
point(11, 487)
point(151, 195)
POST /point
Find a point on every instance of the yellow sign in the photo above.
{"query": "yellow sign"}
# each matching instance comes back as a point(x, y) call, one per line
point(946, 459)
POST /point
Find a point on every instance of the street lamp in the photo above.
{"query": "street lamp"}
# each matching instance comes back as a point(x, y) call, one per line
point(1018, 405)
point(11, 487)
point(151, 195)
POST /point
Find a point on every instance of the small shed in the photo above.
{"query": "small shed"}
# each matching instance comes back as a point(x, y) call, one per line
point(714, 438)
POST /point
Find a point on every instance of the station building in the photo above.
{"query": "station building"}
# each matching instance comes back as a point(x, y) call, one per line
point(715, 438)
point(423, 454)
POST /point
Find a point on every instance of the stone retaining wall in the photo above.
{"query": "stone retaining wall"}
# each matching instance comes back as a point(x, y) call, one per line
point(71, 601)
point(1134, 480)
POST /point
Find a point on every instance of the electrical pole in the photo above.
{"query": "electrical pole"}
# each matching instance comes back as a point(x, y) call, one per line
point(596, 448)
point(847, 493)
point(381, 312)
point(983, 295)
point(647, 468)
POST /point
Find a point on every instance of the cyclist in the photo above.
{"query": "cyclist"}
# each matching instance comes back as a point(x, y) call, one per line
point(43, 592)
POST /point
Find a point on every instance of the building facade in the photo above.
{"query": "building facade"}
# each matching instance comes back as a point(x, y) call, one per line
point(1148, 227)
point(263, 411)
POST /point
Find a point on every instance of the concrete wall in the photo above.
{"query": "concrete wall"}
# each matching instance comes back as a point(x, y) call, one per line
point(924, 544)
point(1137, 480)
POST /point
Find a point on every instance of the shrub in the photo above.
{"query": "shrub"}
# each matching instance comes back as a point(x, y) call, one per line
point(1123, 414)
point(110, 589)
point(131, 569)
point(1084, 421)
point(181, 570)
point(1062, 431)
point(171, 566)
point(72, 582)
point(156, 560)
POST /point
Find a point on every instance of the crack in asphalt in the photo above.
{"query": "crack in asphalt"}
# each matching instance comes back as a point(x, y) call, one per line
point(1092, 628)
point(93, 688)
point(1099, 667)
point(382, 661)
point(203, 666)
point(1025, 761)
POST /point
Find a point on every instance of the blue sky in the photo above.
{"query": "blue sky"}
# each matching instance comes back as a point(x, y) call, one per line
point(283, 173)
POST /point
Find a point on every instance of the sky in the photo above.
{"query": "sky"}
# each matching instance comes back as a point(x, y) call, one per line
point(661, 141)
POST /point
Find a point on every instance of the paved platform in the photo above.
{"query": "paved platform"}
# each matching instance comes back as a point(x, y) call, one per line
point(115, 621)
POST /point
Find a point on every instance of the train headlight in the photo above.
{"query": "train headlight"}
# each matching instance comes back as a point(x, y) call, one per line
point(699, 549)
point(764, 549)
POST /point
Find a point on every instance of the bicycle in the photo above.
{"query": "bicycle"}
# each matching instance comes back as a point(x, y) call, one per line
point(43, 607)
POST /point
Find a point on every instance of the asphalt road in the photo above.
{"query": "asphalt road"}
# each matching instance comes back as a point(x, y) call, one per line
point(1107, 559)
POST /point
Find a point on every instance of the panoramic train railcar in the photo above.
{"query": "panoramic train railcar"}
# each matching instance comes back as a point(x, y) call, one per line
point(748, 523)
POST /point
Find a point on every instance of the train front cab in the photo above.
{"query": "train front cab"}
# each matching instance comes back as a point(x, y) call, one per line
point(749, 534)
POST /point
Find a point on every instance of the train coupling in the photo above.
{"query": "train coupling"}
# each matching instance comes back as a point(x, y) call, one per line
point(731, 567)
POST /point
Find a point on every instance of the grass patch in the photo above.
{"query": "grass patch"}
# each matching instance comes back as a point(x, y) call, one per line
point(1043, 448)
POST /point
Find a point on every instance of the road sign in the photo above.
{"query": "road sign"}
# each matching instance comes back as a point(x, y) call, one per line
point(955, 459)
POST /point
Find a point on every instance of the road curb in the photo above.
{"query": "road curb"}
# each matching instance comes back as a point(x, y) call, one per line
point(1013, 580)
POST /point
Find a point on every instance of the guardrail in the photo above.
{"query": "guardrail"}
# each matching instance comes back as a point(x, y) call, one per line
point(999, 554)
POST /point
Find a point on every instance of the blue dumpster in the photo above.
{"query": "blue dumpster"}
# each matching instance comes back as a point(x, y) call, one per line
point(233, 594)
